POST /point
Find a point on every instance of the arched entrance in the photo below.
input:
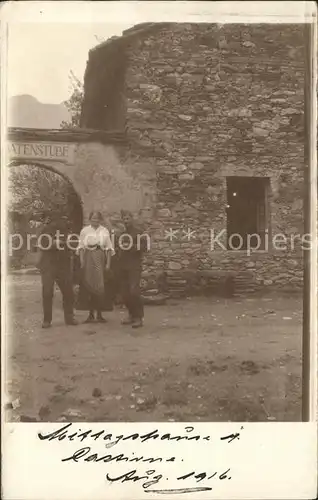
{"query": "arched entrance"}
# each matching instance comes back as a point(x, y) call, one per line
point(77, 209)
point(36, 191)
point(87, 158)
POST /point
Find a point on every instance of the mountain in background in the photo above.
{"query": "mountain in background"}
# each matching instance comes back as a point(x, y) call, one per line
point(25, 111)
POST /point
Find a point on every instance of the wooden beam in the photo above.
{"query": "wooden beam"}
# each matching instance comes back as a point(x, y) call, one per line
point(80, 135)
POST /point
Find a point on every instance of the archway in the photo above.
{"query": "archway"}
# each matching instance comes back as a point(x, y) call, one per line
point(36, 190)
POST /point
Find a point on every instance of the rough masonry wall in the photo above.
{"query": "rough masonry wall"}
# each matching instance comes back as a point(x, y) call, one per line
point(205, 102)
point(104, 182)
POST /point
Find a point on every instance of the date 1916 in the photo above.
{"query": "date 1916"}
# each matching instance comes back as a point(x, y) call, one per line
point(151, 478)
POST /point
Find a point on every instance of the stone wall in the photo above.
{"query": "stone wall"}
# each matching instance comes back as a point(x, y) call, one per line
point(105, 182)
point(204, 103)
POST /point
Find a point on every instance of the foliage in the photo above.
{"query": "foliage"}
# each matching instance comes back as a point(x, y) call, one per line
point(34, 193)
point(35, 190)
point(74, 103)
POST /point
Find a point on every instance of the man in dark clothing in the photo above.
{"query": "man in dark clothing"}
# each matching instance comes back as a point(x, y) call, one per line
point(131, 248)
point(55, 266)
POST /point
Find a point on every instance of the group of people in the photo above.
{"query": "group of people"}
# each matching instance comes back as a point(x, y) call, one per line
point(106, 269)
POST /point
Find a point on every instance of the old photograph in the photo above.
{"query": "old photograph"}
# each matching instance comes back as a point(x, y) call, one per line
point(156, 222)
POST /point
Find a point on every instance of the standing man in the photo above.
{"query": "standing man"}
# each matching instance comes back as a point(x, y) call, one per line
point(55, 267)
point(131, 249)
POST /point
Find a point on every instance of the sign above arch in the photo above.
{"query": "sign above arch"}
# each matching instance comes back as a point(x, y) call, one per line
point(53, 151)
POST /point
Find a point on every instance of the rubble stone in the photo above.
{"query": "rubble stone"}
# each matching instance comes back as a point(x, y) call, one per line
point(212, 104)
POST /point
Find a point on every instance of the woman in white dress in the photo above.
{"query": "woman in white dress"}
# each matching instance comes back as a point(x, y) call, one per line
point(95, 250)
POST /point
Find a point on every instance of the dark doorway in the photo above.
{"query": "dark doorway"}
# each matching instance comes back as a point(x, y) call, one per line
point(247, 212)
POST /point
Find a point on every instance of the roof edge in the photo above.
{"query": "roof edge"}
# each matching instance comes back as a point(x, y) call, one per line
point(76, 135)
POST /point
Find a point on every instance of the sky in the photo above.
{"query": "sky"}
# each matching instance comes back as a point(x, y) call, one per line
point(41, 56)
point(46, 40)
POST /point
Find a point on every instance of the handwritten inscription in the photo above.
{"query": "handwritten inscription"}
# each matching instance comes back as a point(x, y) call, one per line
point(94, 457)
point(112, 440)
point(38, 150)
point(150, 480)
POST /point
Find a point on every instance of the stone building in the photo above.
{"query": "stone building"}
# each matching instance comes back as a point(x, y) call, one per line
point(213, 121)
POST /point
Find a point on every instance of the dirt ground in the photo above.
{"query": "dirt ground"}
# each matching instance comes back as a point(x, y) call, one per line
point(200, 359)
